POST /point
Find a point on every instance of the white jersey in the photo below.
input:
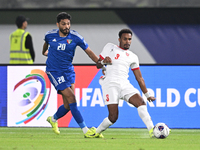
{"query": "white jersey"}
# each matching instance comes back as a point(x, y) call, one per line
point(122, 60)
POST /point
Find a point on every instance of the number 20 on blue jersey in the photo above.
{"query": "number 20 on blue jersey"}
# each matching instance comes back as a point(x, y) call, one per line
point(61, 46)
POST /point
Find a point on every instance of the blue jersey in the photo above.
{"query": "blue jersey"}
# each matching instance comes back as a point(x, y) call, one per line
point(61, 50)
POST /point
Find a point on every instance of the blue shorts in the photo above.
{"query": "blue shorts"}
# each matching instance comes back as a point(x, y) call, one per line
point(61, 80)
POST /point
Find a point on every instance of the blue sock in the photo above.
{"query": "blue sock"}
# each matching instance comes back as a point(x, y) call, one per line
point(60, 112)
point(77, 115)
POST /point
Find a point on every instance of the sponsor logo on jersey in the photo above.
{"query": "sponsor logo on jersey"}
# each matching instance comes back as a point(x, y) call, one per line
point(69, 41)
point(54, 40)
point(127, 54)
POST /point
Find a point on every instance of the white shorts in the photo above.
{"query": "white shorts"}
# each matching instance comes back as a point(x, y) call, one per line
point(113, 92)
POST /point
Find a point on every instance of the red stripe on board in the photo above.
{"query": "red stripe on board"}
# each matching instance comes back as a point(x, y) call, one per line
point(84, 76)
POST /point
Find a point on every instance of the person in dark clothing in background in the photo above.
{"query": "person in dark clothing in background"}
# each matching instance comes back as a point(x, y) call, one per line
point(21, 45)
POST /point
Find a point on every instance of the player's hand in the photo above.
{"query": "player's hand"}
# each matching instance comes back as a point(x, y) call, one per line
point(107, 61)
point(103, 72)
point(151, 99)
point(46, 53)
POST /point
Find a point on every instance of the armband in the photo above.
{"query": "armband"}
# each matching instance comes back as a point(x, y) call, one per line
point(147, 95)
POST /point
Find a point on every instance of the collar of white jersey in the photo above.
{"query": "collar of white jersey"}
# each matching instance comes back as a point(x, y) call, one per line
point(122, 48)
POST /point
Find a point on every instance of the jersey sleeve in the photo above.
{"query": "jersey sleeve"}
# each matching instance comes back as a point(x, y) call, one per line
point(48, 34)
point(80, 40)
point(46, 37)
point(135, 65)
point(29, 45)
point(106, 50)
point(83, 44)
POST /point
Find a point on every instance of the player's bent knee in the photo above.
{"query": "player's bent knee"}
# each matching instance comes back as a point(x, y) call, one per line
point(67, 106)
point(142, 103)
point(113, 119)
point(137, 100)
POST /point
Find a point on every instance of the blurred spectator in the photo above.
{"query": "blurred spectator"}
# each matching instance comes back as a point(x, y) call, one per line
point(21, 46)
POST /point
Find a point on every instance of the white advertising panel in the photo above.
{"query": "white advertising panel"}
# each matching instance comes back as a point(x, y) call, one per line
point(31, 97)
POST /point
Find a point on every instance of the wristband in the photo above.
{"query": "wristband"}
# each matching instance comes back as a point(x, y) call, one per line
point(102, 62)
point(147, 95)
point(103, 68)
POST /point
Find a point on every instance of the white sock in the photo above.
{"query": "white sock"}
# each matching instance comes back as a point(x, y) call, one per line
point(144, 115)
point(104, 125)
point(52, 118)
point(85, 129)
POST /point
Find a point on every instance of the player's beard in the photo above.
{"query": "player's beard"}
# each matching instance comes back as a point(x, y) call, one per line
point(126, 46)
point(65, 31)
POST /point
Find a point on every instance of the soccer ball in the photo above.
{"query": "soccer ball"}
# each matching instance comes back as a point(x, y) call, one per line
point(161, 130)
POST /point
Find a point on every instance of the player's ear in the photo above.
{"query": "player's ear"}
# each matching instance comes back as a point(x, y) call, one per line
point(119, 39)
point(57, 24)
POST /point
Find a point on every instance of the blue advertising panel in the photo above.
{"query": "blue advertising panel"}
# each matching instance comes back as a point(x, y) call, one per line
point(3, 95)
point(177, 92)
point(176, 88)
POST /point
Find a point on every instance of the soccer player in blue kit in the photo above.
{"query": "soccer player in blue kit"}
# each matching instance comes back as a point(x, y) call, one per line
point(59, 47)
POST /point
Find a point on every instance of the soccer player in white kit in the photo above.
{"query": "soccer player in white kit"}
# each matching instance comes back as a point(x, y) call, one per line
point(115, 83)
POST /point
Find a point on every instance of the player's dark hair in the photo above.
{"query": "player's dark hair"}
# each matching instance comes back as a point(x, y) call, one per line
point(124, 31)
point(63, 15)
point(20, 20)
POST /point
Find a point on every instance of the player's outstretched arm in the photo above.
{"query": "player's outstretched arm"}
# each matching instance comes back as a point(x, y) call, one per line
point(106, 61)
point(91, 54)
point(140, 80)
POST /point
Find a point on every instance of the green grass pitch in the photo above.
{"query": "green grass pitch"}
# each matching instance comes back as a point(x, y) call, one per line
point(115, 139)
